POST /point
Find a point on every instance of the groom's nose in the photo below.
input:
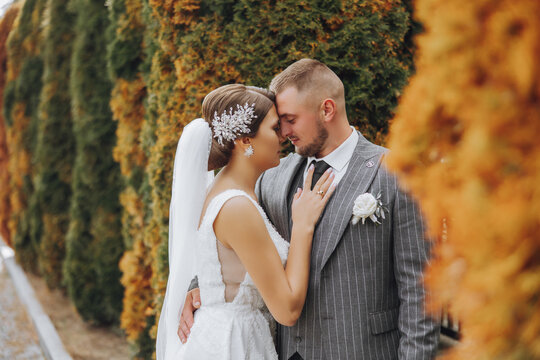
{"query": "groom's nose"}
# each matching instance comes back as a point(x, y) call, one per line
point(285, 129)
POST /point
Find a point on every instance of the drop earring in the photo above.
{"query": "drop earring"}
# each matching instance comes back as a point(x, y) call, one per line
point(249, 151)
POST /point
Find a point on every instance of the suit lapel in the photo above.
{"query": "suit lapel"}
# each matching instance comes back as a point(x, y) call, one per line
point(361, 171)
point(280, 187)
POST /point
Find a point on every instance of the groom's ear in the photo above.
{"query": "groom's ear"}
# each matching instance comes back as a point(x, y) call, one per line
point(328, 108)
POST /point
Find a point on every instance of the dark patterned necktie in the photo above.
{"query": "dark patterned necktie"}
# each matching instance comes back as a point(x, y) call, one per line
point(320, 168)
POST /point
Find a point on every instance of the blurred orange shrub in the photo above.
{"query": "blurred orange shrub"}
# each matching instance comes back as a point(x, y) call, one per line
point(6, 25)
point(465, 140)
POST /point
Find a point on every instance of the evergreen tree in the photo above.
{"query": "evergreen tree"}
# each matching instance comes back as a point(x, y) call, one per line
point(55, 149)
point(94, 242)
point(21, 103)
point(367, 43)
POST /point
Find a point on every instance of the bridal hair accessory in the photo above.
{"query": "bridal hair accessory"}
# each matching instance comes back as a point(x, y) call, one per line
point(249, 151)
point(368, 206)
point(228, 127)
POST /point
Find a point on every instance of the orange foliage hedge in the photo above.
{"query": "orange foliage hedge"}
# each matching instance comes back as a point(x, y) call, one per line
point(6, 25)
point(466, 141)
point(125, 58)
point(176, 89)
point(128, 110)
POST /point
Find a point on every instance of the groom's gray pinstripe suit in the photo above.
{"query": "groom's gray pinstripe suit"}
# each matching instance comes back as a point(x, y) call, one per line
point(365, 297)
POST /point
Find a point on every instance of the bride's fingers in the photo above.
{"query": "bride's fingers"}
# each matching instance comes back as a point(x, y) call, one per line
point(195, 299)
point(324, 182)
point(309, 177)
point(329, 193)
point(324, 177)
point(180, 333)
point(297, 194)
point(327, 188)
point(328, 181)
point(184, 331)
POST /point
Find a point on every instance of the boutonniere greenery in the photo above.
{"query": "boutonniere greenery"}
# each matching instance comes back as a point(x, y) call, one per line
point(368, 206)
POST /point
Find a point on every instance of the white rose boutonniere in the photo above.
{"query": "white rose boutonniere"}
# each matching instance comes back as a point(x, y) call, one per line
point(368, 206)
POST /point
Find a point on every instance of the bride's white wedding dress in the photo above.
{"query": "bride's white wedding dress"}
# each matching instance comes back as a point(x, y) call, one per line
point(239, 329)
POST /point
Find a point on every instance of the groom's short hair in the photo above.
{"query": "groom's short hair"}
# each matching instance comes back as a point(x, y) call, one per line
point(311, 77)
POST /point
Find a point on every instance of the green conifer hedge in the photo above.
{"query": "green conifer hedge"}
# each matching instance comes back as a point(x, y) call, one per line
point(55, 149)
point(94, 242)
point(21, 103)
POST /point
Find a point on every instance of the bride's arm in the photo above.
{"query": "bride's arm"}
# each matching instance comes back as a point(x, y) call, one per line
point(240, 226)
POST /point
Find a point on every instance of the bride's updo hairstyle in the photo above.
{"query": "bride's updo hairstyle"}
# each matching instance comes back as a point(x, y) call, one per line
point(224, 98)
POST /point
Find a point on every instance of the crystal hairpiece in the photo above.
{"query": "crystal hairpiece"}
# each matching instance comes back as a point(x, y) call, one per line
point(228, 127)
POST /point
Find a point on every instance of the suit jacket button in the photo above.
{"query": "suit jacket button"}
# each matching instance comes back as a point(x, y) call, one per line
point(298, 339)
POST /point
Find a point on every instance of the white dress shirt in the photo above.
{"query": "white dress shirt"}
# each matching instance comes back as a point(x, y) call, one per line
point(339, 158)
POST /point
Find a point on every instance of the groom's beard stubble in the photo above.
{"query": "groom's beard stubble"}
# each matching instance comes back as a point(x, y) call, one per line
point(315, 147)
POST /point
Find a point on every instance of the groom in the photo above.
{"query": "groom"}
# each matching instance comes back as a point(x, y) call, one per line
point(365, 296)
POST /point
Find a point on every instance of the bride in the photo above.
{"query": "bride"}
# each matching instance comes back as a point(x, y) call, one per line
point(219, 233)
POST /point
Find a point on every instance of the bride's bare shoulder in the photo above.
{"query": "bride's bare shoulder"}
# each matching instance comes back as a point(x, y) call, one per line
point(238, 208)
point(238, 216)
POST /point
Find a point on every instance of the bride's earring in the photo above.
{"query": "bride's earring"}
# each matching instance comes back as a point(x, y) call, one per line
point(249, 151)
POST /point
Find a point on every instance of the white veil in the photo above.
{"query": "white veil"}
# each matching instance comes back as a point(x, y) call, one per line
point(190, 182)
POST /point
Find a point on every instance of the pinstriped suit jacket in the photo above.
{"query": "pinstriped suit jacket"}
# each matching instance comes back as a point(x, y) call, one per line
point(365, 297)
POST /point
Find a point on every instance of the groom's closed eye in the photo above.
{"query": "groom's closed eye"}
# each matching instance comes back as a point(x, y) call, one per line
point(287, 117)
point(289, 121)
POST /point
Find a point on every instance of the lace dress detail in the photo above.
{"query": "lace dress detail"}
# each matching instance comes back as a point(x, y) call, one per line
point(242, 328)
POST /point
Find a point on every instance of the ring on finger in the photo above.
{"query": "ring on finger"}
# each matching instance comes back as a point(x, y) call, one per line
point(320, 192)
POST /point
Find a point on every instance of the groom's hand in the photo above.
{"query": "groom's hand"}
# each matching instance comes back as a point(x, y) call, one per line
point(192, 303)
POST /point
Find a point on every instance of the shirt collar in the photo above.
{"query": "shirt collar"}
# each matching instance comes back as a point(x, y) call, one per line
point(340, 157)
